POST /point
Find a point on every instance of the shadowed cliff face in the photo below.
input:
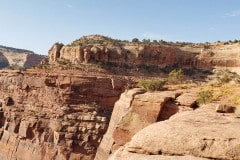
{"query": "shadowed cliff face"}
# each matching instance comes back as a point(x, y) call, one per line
point(54, 116)
point(3, 61)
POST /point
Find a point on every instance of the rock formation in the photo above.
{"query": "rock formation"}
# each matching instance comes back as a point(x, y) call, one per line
point(99, 49)
point(201, 134)
point(136, 110)
point(50, 113)
point(18, 58)
point(54, 116)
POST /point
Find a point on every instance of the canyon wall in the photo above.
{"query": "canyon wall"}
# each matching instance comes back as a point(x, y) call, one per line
point(54, 116)
point(160, 55)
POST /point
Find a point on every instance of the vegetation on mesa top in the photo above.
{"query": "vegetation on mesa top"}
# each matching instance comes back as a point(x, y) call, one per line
point(95, 39)
point(105, 40)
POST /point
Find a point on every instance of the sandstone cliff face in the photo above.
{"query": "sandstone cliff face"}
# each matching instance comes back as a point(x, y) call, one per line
point(160, 55)
point(201, 134)
point(18, 58)
point(54, 116)
point(130, 54)
point(135, 110)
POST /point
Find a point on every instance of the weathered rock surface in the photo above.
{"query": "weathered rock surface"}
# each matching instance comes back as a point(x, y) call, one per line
point(224, 108)
point(18, 58)
point(187, 100)
point(200, 133)
point(121, 107)
point(134, 111)
point(122, 155)
point(54, 116)
point(99, 49)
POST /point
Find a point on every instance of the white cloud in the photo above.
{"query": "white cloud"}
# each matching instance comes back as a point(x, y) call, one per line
point(149, 35)
point(69, 6)
point(212, 28)
point(233, 14)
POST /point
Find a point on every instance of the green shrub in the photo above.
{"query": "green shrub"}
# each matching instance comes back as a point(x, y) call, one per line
point(204, 96)
point(176, 76)
point(224, 79)
point(152, 85)
point(135, 40)
point(63, 61)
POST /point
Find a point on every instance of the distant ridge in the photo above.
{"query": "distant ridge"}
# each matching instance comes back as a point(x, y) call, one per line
point(15, 58)
point(12, 49)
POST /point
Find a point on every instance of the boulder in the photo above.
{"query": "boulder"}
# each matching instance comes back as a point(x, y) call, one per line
point(187, 100)
point(224, 108)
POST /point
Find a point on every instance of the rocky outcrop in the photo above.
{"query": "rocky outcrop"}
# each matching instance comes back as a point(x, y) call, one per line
point(60, 116)
point(55, 52)
point(129, 54)
point(78, 54)
point(136, 110)
point(18, 58)
point(201, 133)
point(91, 49)
point(121, 107)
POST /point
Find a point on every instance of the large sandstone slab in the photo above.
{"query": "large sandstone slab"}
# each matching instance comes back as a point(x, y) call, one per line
point(124, 155)
point(199, 133)
point(134, 111)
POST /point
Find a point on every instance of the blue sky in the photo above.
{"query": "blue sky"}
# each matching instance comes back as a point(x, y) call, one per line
point(37, 24)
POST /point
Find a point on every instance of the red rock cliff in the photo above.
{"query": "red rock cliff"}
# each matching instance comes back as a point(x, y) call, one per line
point(91, 49)
point(54, 116)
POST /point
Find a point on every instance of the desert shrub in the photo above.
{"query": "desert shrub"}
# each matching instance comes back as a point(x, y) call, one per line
point(206, 46)
point(236, 41)
point(147, 68)
point(42, 66)
point(63, 61)
point(136, 40)
point(176, 76)
point(152, 85)
point(146, 40)
point(224, 79)
point(235, 100)
point(204, 96)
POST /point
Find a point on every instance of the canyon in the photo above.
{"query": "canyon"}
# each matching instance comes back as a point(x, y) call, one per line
point(74, 106)
point(54, 116)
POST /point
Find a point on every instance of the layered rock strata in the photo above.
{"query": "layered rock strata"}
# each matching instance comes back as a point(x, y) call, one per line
point(203, 56)
point(54, 116)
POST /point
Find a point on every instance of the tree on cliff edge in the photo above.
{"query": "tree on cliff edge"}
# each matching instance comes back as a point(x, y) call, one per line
point(136, 40)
